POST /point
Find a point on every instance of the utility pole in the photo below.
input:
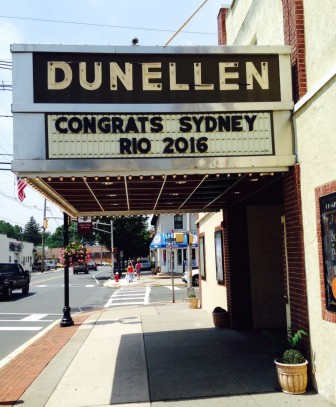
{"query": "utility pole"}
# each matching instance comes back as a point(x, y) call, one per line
point(43, 232)
point(95, 224)
point(190, 288)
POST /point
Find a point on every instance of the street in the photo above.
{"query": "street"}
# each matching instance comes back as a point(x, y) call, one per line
point(26, 316)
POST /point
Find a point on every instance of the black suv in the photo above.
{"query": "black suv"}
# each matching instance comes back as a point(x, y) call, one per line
point(13, 277)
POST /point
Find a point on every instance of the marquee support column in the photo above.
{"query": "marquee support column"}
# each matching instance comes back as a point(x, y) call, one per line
point(66, 320)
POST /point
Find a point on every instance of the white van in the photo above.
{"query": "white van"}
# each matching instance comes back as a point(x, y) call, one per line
point(50, 264)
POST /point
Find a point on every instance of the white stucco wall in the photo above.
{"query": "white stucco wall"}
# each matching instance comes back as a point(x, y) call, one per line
point(213, 294)
point(315, 130)
point(320, 38)
point(25, 258)
point(255, 23)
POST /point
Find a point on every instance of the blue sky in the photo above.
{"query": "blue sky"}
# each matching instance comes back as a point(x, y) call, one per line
point(101, 22)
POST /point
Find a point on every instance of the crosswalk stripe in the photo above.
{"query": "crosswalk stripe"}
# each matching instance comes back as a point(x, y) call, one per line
point(20, 328)
point(120, 296)
point(34, 317)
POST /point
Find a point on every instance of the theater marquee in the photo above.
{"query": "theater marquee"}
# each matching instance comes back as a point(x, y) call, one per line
point(221, 109)
point(159, 135)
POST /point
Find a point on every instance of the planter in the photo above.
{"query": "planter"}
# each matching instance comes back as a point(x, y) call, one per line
point(220, 319)
point(292, 378)
point(192, 302)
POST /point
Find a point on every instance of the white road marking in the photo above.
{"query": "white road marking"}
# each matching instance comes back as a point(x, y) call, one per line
point(20, 328)
point(121, 295)
point(34, 317)
point(171, 288)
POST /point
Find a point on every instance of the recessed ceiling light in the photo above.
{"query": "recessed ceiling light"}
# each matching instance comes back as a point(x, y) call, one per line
point(107, 183)
point(181, 182)
point(254, 179)
point(111, 195)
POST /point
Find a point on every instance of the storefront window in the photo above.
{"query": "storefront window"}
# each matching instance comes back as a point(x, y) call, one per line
point(219, 256)
point(179, 257)
point(202, 257)
point(328, 223)
point(178, 221)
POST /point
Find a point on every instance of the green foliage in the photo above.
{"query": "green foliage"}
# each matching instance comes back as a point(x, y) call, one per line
point(294, 339)
point(74, 253)
point(282, 341)
point(292, 356)
point(130, 235)
point(32, 232)
point(55, 239)
point(191, 295)
point(9, 230)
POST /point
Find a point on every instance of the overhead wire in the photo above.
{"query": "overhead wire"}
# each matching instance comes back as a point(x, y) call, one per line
point(102, 25)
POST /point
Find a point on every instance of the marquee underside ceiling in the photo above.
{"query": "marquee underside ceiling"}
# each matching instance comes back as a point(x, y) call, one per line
point(125, 195)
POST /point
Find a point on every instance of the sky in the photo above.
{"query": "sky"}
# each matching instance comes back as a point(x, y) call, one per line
point(79, 22)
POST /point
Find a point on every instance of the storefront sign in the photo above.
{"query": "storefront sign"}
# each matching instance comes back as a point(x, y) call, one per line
point(84, 225)
point(328, 223)
point(159, 135)
point(155, 78)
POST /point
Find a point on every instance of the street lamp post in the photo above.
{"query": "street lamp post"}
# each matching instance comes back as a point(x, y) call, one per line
point(66, 320)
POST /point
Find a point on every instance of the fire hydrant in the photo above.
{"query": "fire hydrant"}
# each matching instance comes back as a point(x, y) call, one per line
point(116, 277)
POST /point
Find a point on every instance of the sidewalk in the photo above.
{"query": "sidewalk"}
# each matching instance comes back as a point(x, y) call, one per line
point(148, 355)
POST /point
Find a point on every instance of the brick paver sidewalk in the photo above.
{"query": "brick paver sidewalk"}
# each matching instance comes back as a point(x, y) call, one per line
point(19, 373)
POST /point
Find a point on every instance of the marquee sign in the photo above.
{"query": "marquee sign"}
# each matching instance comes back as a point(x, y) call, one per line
point(155, 78)
point(159, 135)
point(141, 109)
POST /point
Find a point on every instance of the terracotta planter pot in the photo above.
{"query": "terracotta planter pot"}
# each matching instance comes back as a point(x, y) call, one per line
point(220, 319)
point(292, 378)
point(192, 302)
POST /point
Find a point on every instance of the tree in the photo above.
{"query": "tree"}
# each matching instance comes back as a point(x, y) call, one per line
point(130, 235)
point(10, 231)
point(32, 232)
point(56, 239)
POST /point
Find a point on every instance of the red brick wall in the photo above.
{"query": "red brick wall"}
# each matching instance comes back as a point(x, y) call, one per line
point(222, 40)
point(295, 253)
point(321, 191)
point(294, 35)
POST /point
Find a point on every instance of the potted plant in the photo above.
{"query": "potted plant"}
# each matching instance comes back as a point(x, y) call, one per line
point(74, 253)
point(192, 300)
point(292, 365)
point(220, 317)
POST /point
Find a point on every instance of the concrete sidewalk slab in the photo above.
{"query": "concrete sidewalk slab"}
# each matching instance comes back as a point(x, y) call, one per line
point(157, 355)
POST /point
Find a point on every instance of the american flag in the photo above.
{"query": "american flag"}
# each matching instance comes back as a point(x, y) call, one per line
point(21, 185)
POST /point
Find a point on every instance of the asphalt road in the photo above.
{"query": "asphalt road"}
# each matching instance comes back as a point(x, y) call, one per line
point(26, 316)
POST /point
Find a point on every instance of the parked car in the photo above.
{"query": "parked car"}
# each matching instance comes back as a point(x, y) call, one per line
point(50, 264)
point(13, 277)
point(195, 277)
point(80, 268)
point(91, 265)
point(37, 266)
point(145, 264)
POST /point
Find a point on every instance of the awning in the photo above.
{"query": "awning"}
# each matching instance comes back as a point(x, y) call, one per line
point(164, 241)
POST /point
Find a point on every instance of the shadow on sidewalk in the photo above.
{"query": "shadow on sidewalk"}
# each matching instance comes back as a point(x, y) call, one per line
point(188, 364)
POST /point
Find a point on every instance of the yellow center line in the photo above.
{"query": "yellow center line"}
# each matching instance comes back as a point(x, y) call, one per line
point(47, 279)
